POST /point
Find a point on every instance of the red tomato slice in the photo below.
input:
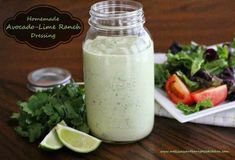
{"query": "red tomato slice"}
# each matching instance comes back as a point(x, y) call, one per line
point(216, 94)
point(177, 91)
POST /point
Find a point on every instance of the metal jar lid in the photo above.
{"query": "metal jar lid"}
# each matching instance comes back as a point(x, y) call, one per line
point(47, 78)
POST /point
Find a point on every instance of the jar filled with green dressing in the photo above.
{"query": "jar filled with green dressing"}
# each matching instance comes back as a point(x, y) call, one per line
point(119, 72)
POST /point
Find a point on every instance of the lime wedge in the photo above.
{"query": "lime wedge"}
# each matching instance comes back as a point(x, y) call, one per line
point(51, 141)
point(76, 140)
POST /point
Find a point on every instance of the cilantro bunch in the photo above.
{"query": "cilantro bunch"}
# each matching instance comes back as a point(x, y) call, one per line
point(45, 109)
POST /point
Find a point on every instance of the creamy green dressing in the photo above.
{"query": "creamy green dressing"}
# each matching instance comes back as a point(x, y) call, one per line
point(119, 87)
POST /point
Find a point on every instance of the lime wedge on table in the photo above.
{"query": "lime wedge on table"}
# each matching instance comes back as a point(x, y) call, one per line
point(51, 141)
point(76, 140)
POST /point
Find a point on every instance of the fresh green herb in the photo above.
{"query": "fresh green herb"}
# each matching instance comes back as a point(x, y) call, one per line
point(45, 109)
point(194, 108)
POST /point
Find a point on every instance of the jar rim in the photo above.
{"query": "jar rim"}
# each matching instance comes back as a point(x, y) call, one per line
point(129, 8)
point(116, 15)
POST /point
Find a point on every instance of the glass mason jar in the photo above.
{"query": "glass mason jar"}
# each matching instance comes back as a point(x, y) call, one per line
point(119, 72)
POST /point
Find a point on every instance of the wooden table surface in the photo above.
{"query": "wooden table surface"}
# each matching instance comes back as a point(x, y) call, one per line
point(204, 21)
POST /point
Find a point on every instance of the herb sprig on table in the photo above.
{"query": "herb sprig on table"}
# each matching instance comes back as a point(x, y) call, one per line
point(45, 109)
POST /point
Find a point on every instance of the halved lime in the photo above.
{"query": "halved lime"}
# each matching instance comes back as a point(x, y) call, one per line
point(51, 141)
point(76, 140)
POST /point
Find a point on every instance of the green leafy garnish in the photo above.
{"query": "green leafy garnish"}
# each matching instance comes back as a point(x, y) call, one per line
point(161, 75)
point(190, 84)
point(45, 109)
point(223, 52)
point(216, 67)
point(189, 58)
point(194, 108)
point(196, 65)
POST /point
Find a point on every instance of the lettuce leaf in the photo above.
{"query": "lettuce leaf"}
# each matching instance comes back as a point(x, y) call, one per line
point(161, 75)
point(194, 108)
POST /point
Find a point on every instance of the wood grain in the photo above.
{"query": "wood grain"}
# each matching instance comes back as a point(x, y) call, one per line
point(204, 21)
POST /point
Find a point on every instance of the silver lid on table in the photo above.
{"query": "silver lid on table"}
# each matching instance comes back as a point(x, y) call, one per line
point(47, 78)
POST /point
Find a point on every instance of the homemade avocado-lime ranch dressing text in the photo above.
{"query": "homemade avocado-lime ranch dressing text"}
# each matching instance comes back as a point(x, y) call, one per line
point(119, 82)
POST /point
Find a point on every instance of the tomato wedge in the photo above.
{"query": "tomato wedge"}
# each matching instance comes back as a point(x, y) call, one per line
point(216, 94)
point(177, 90)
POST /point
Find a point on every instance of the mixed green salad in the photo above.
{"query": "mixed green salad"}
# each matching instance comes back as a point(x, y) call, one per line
point(196, 77)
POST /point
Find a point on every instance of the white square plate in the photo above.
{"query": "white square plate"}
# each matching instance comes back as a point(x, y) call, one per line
point(165, 102)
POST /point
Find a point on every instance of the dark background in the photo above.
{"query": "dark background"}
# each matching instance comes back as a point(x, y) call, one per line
point(203, 21)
